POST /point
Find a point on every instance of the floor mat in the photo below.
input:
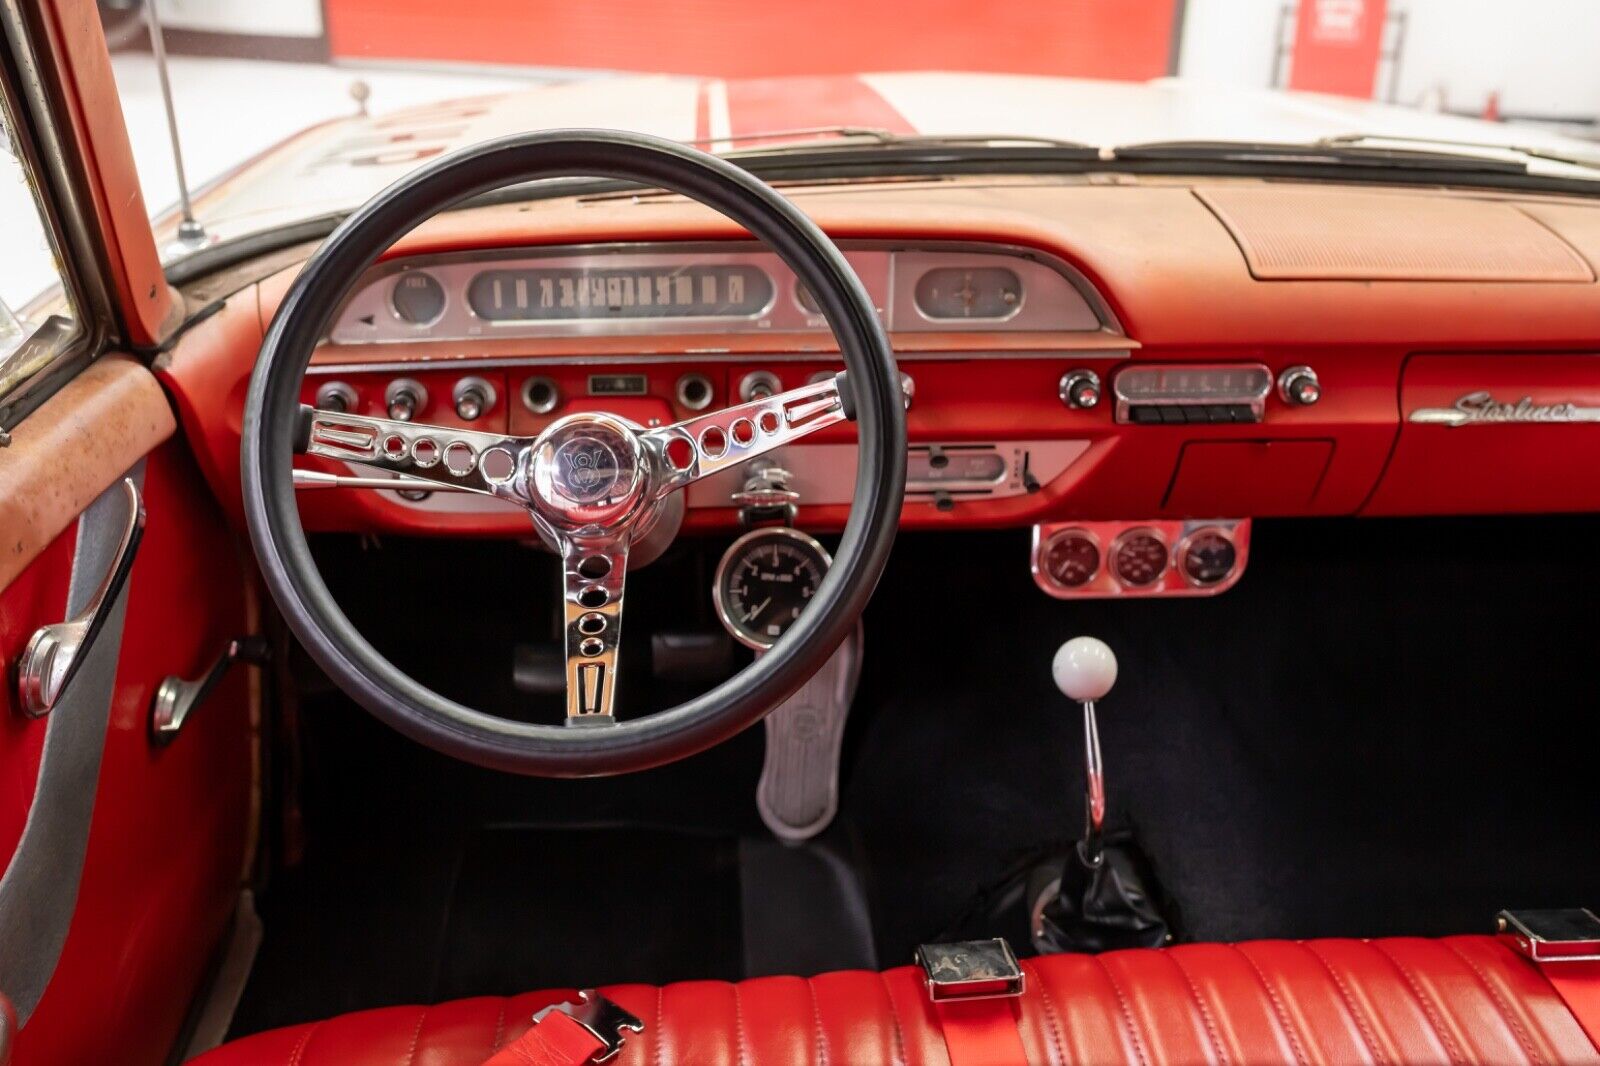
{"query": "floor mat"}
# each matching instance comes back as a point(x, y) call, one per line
point(553, 909)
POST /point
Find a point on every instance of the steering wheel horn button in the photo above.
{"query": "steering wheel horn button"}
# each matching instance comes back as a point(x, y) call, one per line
point(971, 969)
point(587, 471)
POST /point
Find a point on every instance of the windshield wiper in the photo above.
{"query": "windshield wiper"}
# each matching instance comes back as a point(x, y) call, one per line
point(810, 138)
point(1319, 154)
point(1371, 139)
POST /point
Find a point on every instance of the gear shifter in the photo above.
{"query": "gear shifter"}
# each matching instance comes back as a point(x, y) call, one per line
point(1084, 670)
point(1094, 899)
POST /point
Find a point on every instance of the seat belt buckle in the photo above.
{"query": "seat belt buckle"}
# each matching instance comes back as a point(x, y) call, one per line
point(971, 969)
point(1570, 934)
point(606, 1021)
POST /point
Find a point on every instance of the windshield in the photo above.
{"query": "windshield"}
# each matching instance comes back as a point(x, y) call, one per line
point(300, 110)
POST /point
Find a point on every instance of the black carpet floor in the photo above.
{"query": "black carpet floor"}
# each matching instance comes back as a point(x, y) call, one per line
point(1386, 727)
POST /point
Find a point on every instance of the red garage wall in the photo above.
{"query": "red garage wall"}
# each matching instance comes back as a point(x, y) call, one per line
point(1128, 39)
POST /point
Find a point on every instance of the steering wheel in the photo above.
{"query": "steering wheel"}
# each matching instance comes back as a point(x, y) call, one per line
point(593, 484)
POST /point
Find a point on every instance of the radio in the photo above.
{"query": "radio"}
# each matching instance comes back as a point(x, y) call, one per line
point(1188, 393)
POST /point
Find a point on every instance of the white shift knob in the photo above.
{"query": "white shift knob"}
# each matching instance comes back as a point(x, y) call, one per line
point(1084, 669)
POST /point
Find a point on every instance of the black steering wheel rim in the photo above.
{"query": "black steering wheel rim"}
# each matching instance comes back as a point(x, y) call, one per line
point(271, 417)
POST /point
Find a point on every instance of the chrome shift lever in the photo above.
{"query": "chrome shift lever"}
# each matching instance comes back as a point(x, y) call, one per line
point(1084, 670)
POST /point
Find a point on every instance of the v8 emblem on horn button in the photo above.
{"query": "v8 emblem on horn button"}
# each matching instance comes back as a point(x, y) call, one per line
point(586, 470)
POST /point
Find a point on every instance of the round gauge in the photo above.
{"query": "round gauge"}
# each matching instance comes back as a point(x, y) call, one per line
point(418, 298)
point(1207, 557)
point(764, 581)
point(1139, 557)
point(1071, 558)
point(976, 292)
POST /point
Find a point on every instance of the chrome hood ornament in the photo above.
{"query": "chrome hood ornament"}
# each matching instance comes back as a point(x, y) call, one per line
point(1481, 409)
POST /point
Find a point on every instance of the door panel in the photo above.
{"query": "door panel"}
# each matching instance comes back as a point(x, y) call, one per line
point(165, 829)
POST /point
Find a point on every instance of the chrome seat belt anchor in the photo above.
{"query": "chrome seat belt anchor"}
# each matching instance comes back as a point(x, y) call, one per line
point(608, 1023)
point(971, 969)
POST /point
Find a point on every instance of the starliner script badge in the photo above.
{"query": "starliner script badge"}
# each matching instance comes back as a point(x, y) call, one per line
point(1480, 409)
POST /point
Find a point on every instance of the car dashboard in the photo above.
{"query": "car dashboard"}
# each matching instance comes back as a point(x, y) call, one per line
point(1134, 370)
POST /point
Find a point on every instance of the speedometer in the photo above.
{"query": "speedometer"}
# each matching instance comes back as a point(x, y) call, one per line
point(765, 580)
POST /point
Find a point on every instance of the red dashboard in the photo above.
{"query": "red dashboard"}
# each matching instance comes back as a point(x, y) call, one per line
point(1135, 352)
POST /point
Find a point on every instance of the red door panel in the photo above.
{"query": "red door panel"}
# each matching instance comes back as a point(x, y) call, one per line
point(167, 846)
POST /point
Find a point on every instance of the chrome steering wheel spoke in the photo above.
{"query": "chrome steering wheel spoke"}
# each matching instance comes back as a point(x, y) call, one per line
point(595, 569)
point(412, 454)
point(706, 444)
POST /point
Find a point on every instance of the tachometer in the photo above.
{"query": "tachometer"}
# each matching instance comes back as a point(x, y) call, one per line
point(766, 578)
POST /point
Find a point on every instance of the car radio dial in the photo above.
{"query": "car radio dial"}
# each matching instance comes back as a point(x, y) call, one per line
point(766, 578)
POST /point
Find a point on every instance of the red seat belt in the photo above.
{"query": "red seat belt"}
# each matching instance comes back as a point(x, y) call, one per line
point(981, 1032)
point(1578, 985)
point(556, 1040)
point(590, 1031)
point(1565, 944)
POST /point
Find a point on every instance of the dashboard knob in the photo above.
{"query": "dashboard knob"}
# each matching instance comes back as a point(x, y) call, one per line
point(1299, 386)
point(1084, 669)
point(1080, 389)
point(403, 398)
point(336, 396)
point(474, 397)
point(758, 385)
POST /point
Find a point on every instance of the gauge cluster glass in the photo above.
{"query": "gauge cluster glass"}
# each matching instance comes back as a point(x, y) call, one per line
point(1139, 557)
point(418, 298)
point(538, 295)
point(1208, 557)
point(976, 292)
point(1072, 558)
point(764, 582)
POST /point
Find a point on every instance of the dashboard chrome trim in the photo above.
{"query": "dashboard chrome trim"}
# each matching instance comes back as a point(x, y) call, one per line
point(1056, 297)
point(515, 362)
point(1481, 409)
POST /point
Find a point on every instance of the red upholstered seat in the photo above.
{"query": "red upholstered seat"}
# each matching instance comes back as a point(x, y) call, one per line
point(1456, 1000)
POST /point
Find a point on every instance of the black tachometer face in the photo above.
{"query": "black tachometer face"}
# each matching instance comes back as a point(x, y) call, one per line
point(766, 578)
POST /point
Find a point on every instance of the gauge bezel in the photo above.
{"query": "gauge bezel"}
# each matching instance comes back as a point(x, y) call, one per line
point(394, 308)
point(736, 549)
point(1078, 532)
point(1180, 556)
point(1121, 542)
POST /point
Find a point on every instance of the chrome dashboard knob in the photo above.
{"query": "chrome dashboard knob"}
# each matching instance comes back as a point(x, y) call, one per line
point(473, 397)
point(336, 396)
point(1299, 386)
point(403, 398)
point(1084, 669)
point(1080, 389)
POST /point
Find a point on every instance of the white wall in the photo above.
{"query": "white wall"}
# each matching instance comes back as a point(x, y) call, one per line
point(1542, 56)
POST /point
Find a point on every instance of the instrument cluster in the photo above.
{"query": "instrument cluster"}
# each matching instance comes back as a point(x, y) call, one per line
point(727, 288)
point(1102, 560)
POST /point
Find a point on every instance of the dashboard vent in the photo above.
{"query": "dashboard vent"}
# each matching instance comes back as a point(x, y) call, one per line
point(1317, 234)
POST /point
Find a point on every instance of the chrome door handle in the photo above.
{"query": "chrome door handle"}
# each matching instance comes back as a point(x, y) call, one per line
point(55, 652)
point(175, 697)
